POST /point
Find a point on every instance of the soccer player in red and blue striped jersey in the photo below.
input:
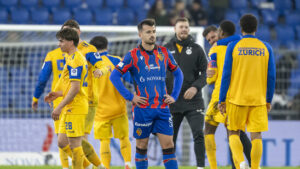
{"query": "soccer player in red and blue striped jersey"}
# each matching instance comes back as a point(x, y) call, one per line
point(148, 64)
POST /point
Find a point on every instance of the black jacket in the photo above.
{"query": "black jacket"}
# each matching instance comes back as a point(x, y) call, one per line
point(193, 63)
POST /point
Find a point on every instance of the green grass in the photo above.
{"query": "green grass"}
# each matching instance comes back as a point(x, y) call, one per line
point(58, 167)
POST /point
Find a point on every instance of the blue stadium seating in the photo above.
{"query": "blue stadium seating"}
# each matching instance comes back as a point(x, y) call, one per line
point(283, 5)
point(19, 15)
point(39, 16)
point(293, 18)
point(256, 3)
point(9, 3)
point(103, 16)
point(3, 15)
point(232, 16)
point(72, 3)
point(141, 14)
point(251, 11)
point(240, 4)
point(297, 4)
point(125, 16)
point(94, 3)
point(270, 17)
point(83, 16)
point(298, 32)
point(29, 3)
point(51, 4)
point(284, 33)
point(136, 5)
point(60, 15)
point(114, 4)
point(263, 33)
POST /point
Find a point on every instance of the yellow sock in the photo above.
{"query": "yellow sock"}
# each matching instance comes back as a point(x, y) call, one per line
point(63, 158)
point(125, 147)
point(210, 146)
point(105, 152)
point(236, 149)
point(90, 153)
point(78, 156)
point(256, 153)
point(67, 150)
point(86, 162)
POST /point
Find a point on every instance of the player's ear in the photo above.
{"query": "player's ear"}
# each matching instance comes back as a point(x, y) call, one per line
point(140, 34)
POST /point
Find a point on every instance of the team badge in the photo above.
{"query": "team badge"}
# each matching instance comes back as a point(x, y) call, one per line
point(160, 56)
point(139, 131)
point(188, 50)
point(121, 64)
point(74, 72)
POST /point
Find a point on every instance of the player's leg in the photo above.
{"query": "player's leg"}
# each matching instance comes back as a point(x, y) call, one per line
point(141, 158)
point(210, 144)
point(77, 152)
point(246, 145)
point(89, 120)
point(196, 122)
point(256, 151)
point(121, 131)
point(177, 119)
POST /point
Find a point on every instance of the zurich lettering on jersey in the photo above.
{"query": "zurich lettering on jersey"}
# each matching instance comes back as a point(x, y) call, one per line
point(252, 51)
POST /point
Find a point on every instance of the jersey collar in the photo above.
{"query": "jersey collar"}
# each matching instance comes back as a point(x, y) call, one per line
point(142, 49)
point(103, 53)
point(229, 39)
point(249, 36)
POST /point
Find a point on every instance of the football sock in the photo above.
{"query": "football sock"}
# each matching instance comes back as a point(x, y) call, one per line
point(141, 160)
point(169, 158)
point(236, 149)
point(125, 147)
point(90, 153)
point(256, 153)
point(210, 146)
point(78, 156)
point(105, 153)
point(63, 158)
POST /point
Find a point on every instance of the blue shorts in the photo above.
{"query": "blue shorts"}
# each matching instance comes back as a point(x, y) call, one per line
point(147, 121)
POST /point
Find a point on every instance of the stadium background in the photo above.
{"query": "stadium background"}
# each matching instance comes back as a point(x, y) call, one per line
point(25, 38)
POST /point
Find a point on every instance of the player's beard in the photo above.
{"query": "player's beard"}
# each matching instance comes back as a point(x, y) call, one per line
point(151, 41)
point(183, 36)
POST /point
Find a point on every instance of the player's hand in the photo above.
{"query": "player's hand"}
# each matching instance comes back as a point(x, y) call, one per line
point(190, 93)
point(97, 73)
point(269, 107)
point(139, 101)
point(52, 96)
point(55, 114)
point(34, 105)
point(168, 99)
point(210, 73)
point(222, 108)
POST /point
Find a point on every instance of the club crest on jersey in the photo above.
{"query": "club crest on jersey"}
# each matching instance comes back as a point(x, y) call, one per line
point(160, 56)
point(121, 64)
point(74, 72)
point(188, 50)
point(139, 131)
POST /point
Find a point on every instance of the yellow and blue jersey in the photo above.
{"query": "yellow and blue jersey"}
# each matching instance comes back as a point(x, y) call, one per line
point(249, 73)
point(216, 61)
point(75, 70)
point(111, 103)
point(53, 63)
point(85, 48)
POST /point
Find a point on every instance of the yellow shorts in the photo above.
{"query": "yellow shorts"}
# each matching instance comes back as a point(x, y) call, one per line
point(72, 125)
point(56, 124)
point(120, 126)
point(254, 117)
point(213, 116)
point(89, 120)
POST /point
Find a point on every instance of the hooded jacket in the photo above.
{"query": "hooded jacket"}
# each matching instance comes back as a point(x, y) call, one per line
point(193, 63)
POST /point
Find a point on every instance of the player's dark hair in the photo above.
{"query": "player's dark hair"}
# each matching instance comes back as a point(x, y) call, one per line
point(248, 23)
point(209, 29)
point(100, 42)
point(181, 19)
point(68, 34)
point(227, 27)
point(149, 22)
point(71, 23)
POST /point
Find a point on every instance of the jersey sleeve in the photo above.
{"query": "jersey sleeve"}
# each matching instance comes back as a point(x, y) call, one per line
point(271, 74)
point(172, 65)
point(75, 70)
point(125, 64)
point(96, 60)
point(212, 65)
point(44, 76)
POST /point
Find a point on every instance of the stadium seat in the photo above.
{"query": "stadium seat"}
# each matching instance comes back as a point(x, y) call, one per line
point(263, 33)
point(248, 11)
point(293, 18)
point(115, 4)
point(104, 16)
point(83, 16)
point(240, 4)
point(9, 3)
point(39, 16)
point(297, 4)
point(282, 5)
point(60, 15)
point(51, 4)
point(285, 33)
point(256, 3)
point(270, 17)
point(232, 16)
point(136, 5)
point(3, 15)
point(19, 15)
point(141, 14)
point(298, 32)
point(125, 16)
point(94, 3)
point(72, 3)
point(29, 3)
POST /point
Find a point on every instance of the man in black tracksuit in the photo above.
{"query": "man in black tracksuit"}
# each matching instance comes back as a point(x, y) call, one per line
point(193, 63)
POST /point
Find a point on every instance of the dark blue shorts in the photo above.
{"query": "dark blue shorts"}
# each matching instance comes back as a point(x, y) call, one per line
point(147, 121)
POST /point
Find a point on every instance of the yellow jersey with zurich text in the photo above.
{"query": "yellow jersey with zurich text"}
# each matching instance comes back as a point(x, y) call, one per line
point(85, 48)
point(216, 61)
point(75, 70)
point(111, 103)
point(249, 73)
point(54, 63)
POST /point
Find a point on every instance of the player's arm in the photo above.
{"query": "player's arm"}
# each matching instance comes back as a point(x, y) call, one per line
point(44, 76)
point(212, 69)
point(271, 77)
point(99, 67)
